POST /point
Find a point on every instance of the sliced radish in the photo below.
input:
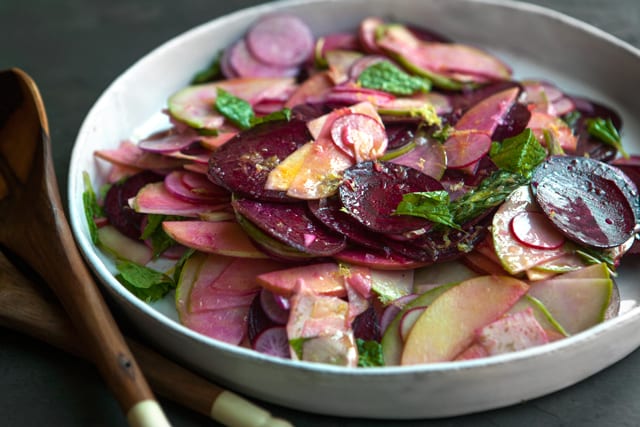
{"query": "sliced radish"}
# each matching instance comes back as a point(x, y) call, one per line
point(360, 136)
point(155, 199)
point(273, 341)
point(466, 148)
point(392, 310)
point(534, 229)
point(280, 39)
point(408, 320)
point(174, 183)
point(169, 141)
point(245, 64)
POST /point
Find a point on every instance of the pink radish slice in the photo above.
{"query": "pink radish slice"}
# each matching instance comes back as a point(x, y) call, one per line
point(154, 198)
point(244, 64)
point(199, 183)
point(273, 307)
point(367, 34)
point(175, 185)
point(360, 136)
point(363, 63)
point(273, 341)
point(465, 148)
point(408, 320)
point(228, 325)
point(281, 40)
point(393, 309)
point(534, 229)
point(169, 141)
point(225, 65)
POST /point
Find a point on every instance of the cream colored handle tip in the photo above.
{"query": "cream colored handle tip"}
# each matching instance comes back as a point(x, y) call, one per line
point(235, 411)
point(147, 413)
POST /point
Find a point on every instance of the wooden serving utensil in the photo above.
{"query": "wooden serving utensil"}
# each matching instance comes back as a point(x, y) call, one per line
point(25, 307)
point(34, 227)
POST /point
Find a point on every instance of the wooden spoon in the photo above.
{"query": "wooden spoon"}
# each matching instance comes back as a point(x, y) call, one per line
point(26, 307)
point(34, 227)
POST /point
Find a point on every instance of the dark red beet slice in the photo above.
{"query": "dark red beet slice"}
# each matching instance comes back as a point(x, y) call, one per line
point(587, 145)
point(257, 320)
point(291, 224)
point(116, 203)
point(273, 307)
point(280, 39)
point(273, 341)
point(366, 325)
point(371, 191)
point(399, 133)
point(513, 124)
point(589, 201)
point(449, 244)
point(243, 163)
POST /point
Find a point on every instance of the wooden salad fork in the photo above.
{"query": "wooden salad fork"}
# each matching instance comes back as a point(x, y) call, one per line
point(33, 226)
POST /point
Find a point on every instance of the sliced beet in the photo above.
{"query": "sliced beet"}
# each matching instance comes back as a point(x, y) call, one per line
point(116, 203)
point(366, 325)
point(371, 191)
point(513, 123)
point(243, 163)
point(589, 201)
point(399, 134)
point(291, 224)
point(273, 308)
point(257, 320)
point(449, 244)
point(280, 39)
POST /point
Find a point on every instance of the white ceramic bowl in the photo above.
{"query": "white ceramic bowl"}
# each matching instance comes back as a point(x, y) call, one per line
point(538, 43)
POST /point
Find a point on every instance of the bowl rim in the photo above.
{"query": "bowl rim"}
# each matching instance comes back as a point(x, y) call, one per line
point(89, 251)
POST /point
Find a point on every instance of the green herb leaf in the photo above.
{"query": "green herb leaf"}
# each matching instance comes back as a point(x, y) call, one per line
point(431, 205)
point(571, 119)
point(605, 131)
point(177, 268)
point(519, 154)
point(209, 74)
point(491, 192)
point(387, 77)
point(92, 209)
point(284, 114)
point(145, 283)
point(443, 133)
point(160, 240)
point(369, 353)
point(235, 109)
point(297, 345)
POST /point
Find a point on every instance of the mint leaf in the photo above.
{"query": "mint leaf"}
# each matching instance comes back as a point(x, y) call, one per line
point(235, 109)
point(431, 205)
point(605, 131)
point(387, 77)
point(369, 353)
point(92, 209)
point(211, 73)
point(160, 240)
point(297, 345)
point(519, 154)
point(492, 191)
point(145, 283)
point(284, 114)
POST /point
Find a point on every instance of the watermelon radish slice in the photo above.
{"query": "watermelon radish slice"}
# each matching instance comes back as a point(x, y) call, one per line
point(371, 192)
point(359, 136)
point(602, 208)
point(280, 39)
point(273, 341)
point(223, 238)
point(291, 224)
point(534, 229)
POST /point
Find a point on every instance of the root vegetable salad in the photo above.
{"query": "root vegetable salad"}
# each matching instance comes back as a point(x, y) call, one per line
point(380, 197)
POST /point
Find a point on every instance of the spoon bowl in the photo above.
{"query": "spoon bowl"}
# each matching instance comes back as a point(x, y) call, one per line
point(33, 226)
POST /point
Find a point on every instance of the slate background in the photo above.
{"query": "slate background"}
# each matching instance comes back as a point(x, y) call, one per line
point(74, 49)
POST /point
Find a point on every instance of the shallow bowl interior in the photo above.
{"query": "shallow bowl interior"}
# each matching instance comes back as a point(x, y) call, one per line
point(537, 43)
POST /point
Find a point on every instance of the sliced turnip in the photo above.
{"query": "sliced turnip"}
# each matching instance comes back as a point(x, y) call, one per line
point(280, 39)
point(600, 210)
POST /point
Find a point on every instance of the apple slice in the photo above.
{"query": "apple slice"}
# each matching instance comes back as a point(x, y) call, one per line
point(448, 325)
point(323, 279)
point(514, 332)
point(576, 300)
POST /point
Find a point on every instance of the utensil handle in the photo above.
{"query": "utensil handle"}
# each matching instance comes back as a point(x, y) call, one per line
point(25, 307)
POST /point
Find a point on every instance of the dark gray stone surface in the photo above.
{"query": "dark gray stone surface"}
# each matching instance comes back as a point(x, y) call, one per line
point(74, 49)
